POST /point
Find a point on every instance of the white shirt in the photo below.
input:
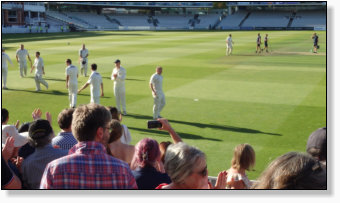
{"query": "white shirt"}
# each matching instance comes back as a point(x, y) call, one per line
point(83, 52)
point(95, 80)
point(22, 53)
point(4, 59)
point(229, 42)
point(72, 72)
point(157, 81)
point(121, 75)
point(38, 64)
point(126, 136)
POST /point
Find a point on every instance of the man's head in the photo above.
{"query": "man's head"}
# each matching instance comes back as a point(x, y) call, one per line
point(91, 123)
point(159, 70)
point(21, 46)
point(2, 50)
point(258, 34)
point(83, 46)
point(93, 67)
point(65, 119)
point(4, 116)
point(117, 62)
point(266, 35)
point(68, 62)
point(37, 54)
point(229, 35)
point(317, 144)
point(40, 133)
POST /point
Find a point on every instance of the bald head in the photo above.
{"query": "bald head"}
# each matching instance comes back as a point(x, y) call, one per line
point(159, 70)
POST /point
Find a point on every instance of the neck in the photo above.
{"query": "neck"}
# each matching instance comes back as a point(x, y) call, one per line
point(67, 130)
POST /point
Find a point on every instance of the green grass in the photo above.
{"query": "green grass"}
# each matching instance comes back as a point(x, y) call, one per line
point(271, 101)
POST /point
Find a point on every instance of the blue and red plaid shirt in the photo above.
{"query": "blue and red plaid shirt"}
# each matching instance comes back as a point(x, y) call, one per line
point(88, 166)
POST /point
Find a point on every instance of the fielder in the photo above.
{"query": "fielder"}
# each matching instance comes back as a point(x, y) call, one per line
point(258, 43)
point(118, 76)
point(156, 83)
point(266, 43)
point(83, 54)
point(21, 59)
point(229, 43)
point(72, 82)
point(39, 72)
point(96, 82)
point(4, 67)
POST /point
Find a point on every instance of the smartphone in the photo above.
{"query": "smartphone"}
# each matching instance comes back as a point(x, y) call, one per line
point(154, 124)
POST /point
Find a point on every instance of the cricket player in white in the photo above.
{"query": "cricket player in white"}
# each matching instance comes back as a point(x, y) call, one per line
point(96, 84)
point(83, 54)
point(156, 83)
point(21, 59)
point(72, 82)
point(39, 71)
point(118, 76)
point(229, 43)
point(4, 67)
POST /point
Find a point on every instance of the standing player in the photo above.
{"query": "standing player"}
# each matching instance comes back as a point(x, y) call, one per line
point(83, 54)
point(39, 71)
point(258, 43)
point(21, 59)
point(229, 43)
point(118, 76)
point(156, 83)
point(72, 82)
point(266, 43)
point(96, 84)
point(4, 67)
point(315, 38)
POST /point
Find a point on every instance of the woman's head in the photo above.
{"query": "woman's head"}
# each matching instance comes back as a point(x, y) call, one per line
point(114, 112)
point(146, 153)
point(293, 170)
point(116, 130)
point(186, 166)
point(244, 157)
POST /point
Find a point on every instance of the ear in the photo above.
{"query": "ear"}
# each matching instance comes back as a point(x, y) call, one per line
point(99, 134)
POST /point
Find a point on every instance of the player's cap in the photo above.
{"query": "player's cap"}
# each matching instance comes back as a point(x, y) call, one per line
point(39, 129)
point(117, 61)
point(318, 140)
point(20, 139)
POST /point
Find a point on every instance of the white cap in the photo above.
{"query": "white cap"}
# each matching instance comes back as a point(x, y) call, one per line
point(20, 139)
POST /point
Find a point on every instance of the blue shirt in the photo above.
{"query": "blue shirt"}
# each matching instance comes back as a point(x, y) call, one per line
point(65, 140)
point(149, 178)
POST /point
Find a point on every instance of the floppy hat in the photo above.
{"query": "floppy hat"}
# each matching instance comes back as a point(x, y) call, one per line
point(20, 139)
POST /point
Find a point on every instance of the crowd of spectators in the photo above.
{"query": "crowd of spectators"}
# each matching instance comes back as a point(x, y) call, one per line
point(93, 151)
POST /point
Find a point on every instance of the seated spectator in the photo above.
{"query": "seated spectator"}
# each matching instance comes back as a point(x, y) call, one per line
point(317, 145)
point(88, 166)
point(40, 136)
point(65, 139)
point(292, 171)
point(147, 166)
point(187, 169)
point(8, 179)
point(27, 149)
point(115, 146)
point(243, 159)
point(126, 136)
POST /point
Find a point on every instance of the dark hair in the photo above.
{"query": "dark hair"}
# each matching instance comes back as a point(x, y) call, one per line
point(87, 119)
point(116, 131)
point(114, 112)
point(37, 53)
point(69, 61)
point(94, 66)
point(4, 115)
point(40, 133)
point(24, 127)
point(65, 118)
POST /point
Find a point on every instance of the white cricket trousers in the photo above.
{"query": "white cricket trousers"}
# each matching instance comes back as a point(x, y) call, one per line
point(159, 103)
point(38, 79)
point(23, 68)
point(229, 50)
point(72, 94)
point(119, 92)
point(95, 100)
point(83, 68)
point(4, 72)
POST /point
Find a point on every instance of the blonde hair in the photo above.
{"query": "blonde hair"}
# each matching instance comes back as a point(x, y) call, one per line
point(244, 157)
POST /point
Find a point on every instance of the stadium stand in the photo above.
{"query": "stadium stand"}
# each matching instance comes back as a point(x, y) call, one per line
point(233, 21)
point(206, 21)
point(174, 21)
point(309, 19)
point(267, 19)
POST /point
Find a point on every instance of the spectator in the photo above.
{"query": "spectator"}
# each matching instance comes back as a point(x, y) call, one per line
point(27, 149)
point(317, 145)
point(40, 136)
point(8, 179)
point(5, 117)
point(147, 167)
point(187, 169)
point(243, 159)
point(88, 166)
point(293, 171)
point(126, 136)
point(163, 146)
point(116, 147)
point(65, 139)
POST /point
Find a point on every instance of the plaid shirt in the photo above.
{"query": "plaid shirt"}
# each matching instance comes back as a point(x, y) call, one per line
point(88, 167)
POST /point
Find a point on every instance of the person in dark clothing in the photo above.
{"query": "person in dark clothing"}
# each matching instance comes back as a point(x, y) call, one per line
point(315, 38)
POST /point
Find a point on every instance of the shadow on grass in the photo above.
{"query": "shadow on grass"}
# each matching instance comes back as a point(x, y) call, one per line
point(55, 79)
point(51, 92)
point(204, 125)
point(130, 79)
point(166, 134)
point(26, 37)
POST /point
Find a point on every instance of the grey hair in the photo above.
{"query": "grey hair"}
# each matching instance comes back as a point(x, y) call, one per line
point(180, 160)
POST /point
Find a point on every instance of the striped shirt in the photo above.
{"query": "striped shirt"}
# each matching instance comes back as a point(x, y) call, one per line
point(64, 140)
point(88, 166)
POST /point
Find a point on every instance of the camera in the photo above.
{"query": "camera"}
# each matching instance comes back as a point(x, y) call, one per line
point(154, 124)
